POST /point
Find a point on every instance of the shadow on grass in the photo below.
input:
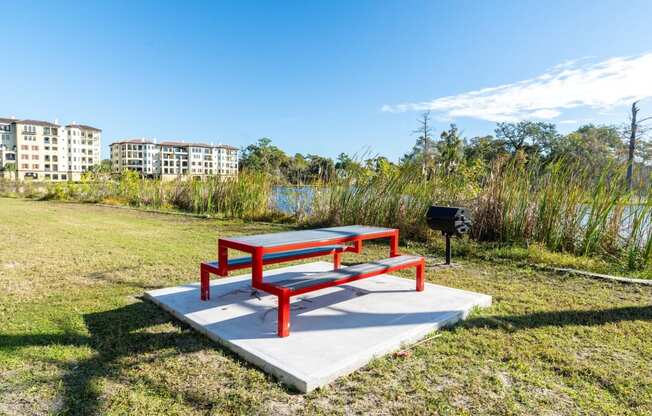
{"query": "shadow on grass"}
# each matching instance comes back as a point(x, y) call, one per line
point(120, 333)
point(114, 335)
point(109, 276)
point(561, 318)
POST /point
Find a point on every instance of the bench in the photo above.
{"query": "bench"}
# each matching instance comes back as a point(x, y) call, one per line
point(213, 267)
point(317, 281)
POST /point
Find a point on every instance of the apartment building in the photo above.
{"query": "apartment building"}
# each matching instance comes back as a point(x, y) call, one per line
point(225, 160)
point(41, 151)
point(139, 155)
point(7, 146)
point(170, 159)
point(198, 160)
point(44, 150)
point(84, 148)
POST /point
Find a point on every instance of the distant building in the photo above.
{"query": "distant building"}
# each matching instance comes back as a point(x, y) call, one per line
point(7, 145)
point(44, 150)
point(84, 144)
point(139, 155)
point(168, 160)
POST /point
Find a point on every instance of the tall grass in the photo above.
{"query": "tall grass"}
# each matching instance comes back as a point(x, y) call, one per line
point(561, 205)
point(248, 197)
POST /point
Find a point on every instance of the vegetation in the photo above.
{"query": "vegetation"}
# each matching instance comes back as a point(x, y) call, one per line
point(527, 185)
point(75, 337)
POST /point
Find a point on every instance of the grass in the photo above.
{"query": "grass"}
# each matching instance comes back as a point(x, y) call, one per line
point(76, 338)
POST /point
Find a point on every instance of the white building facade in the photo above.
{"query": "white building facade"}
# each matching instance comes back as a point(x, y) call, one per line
point(170, 160)
point(139, 155)
point(42, 150)
point(84, 144)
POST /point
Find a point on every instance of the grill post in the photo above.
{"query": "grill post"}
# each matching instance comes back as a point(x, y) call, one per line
point(448, 248)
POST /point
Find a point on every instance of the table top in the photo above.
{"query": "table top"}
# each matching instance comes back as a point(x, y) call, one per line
point(307, 236)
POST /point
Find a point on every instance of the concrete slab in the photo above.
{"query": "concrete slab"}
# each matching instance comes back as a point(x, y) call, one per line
point(333, 331)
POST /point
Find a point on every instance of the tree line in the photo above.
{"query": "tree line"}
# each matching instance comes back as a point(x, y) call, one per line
point(530, 142)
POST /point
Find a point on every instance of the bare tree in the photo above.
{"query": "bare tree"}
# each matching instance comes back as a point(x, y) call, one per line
point(424, 140)
point(635, 129)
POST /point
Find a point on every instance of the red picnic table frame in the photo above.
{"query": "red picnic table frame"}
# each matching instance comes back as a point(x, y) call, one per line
point(260, 245)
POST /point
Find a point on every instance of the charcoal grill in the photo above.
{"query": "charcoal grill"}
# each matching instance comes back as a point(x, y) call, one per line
point(451, 221)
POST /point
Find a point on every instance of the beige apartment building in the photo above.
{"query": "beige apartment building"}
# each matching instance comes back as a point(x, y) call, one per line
point(138, 155)
point(169, 160)
point(36, 149)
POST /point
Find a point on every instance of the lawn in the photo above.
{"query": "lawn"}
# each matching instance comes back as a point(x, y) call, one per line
point(76, 337)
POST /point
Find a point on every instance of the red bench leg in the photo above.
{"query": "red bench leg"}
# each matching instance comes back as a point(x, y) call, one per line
point(205, 284)
point(393, 245)
point(284, 314)
point(420, 276)
point(337, 260)
point(222, 261)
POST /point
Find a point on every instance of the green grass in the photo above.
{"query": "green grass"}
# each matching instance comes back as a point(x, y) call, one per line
point(76, 338)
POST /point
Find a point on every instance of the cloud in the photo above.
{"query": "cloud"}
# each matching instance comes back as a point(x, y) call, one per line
point(572, 84)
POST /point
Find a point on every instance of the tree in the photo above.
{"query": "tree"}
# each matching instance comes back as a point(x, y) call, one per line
point(345, 162)
point(263, 156)
point(484, 148)
point(423, 149)
point(636, 128)
point(104, 166)
point(590, 145)
point(531, 138)
point(320, 168)
point(9, 168)
point(380, 165)
point(296, 169)
point(450, 149)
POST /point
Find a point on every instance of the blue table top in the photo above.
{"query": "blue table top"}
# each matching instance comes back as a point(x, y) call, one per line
point(306, 236)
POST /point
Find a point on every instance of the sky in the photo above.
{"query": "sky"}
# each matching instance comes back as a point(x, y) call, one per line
point(322, 77)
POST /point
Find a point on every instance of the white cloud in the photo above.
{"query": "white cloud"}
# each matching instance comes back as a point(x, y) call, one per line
point(572, 84)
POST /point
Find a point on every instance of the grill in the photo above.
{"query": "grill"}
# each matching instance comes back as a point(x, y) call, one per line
point(451, 221)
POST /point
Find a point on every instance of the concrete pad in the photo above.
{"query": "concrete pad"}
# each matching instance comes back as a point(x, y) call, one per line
point(333, 331)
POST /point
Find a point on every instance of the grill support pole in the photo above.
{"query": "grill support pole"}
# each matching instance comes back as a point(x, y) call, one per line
point(448, 248)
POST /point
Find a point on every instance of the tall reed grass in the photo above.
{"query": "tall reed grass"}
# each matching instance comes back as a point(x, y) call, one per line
point(562, 205)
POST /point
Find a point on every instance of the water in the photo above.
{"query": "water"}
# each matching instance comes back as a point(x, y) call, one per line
point(293, 200)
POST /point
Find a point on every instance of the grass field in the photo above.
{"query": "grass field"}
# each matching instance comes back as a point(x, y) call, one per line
point(76, 338)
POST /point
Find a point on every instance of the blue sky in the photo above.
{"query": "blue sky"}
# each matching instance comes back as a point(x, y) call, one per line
point(322, 77)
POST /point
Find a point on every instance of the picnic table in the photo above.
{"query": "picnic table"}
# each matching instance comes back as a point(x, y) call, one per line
point(292, 245)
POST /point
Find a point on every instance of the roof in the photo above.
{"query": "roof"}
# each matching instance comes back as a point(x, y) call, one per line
point(133, 141)
point(7, 120)
point(226, 146)
point(36, 123)
point(184, 144)
point(189, 144)
point(83, 126)
point(177, 144)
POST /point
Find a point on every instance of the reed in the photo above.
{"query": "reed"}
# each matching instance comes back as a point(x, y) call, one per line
point(562, 206)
